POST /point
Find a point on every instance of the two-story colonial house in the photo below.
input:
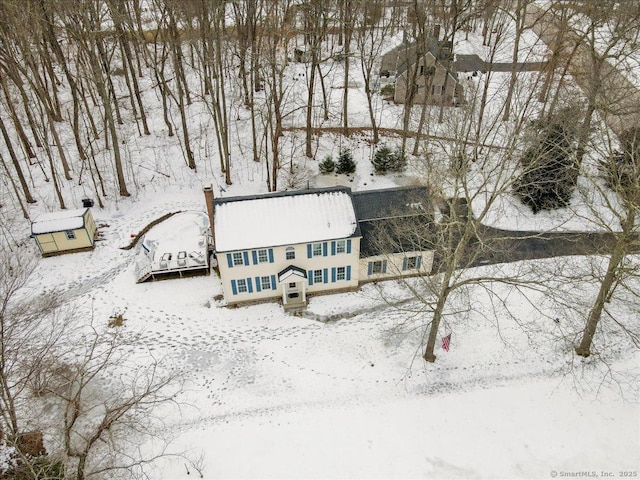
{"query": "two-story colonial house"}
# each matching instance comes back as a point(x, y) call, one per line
point(288, 245)
point(285, 244)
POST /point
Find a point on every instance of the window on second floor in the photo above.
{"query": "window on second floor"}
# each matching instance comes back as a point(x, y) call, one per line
point(341, 246)
point(263, 256)
point(290, 253)
point(317, 249)
point(237, 258)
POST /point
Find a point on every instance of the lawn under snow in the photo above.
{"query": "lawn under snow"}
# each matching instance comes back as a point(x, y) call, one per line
point(339, 391)
point(342, 391)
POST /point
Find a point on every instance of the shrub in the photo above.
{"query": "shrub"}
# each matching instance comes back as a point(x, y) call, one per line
point(388, 90)
point(549, 173)
point(384, 160)
point(346, 164)
point(327, 165)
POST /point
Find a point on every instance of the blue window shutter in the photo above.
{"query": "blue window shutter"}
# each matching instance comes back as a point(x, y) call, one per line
point(333, 274)
point(324, 249)
point(234, 289)
point(370, 268)
point(404, 263)
point(349, 245)
point(249, 286)
point(258, 286)
point(418, 262)
point(384, 266)
point(325, 275)
point(348, 272)
point(246, 257)
point(333, 248)
point(273, 282)
point(310, 277)
point(254, 254)
point(271, 255)
point(309, 252)
point(230, 260)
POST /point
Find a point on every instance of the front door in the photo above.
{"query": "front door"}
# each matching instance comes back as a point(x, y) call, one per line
point(292, 290)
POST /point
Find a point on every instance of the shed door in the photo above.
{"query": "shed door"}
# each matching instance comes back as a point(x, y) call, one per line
point(47, 243)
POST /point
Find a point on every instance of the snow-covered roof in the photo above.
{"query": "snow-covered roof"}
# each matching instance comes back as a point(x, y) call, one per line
point(284, 218)
point(58, 221)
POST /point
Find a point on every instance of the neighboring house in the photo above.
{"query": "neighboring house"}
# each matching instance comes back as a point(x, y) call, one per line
point(289, 245)
point(64, 231)
point(426, 78)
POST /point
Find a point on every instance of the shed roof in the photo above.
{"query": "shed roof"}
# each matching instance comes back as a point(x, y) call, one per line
point(284, 218)
point(58, 221)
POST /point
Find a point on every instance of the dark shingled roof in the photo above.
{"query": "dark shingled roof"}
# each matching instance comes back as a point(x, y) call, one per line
point(394, 220)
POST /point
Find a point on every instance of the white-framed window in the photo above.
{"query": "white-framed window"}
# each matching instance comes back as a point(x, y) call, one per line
point(265, 283)
point(317, 276)
point(237, 258)
point(412, 263)
point(376, 266)
point(290, 253)
point(292, 284)
point(263, 256)
point(317, 249)
point(341, 273)
point(436, 90)
point(242, 286)
point(341, 246)
point(71, 235)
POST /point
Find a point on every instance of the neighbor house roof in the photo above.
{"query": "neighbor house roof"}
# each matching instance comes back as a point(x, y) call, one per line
point(58, 221)
point(284, 218)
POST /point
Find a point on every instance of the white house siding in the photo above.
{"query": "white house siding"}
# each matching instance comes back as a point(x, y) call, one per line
point(252, 270)
point(395, 265)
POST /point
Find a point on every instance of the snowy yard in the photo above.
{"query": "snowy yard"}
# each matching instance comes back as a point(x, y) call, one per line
point(341, 391)
point(334, 393)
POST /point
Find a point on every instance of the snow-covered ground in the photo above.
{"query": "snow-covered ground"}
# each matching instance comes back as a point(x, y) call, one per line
point(342, 391)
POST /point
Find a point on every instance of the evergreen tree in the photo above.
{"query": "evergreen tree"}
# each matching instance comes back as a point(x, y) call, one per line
point(346, 164)
point(385, 160)
point(549, 173)
point(327, 165)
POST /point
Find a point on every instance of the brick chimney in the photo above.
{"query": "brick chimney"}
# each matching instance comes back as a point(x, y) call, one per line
point(208, 198)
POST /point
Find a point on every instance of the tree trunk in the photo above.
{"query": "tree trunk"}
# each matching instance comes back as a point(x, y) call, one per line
point(16, 163)
point(606, 287)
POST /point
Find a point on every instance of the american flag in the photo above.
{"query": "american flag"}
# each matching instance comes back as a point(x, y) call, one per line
point(446, 341)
